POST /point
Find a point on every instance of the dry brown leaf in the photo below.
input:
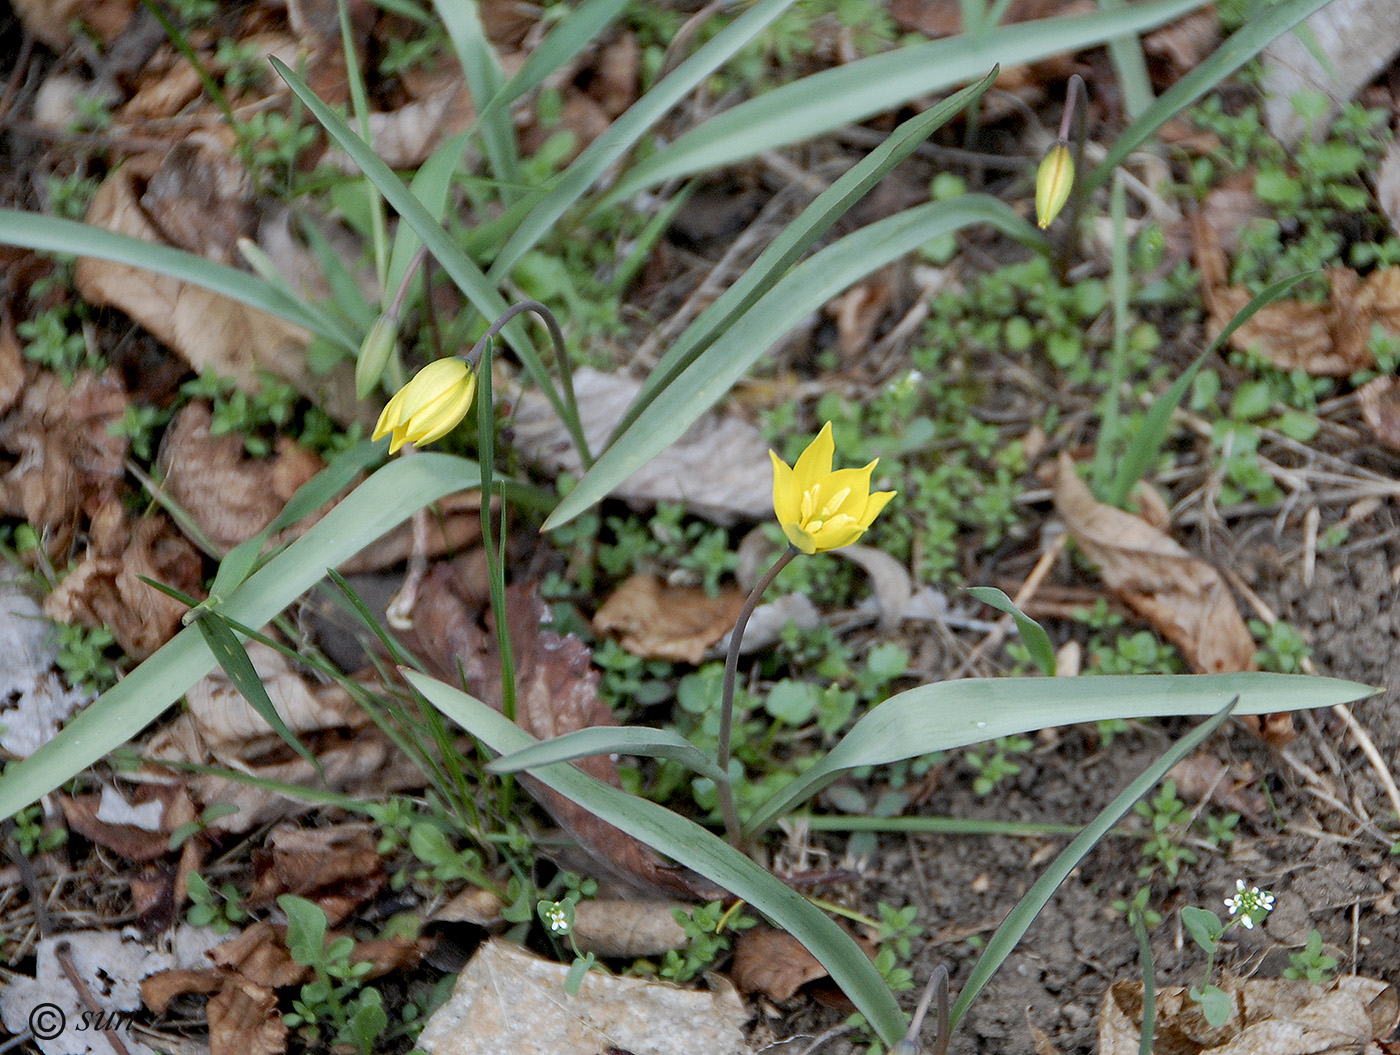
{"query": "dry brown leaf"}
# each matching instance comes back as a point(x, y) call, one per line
point(1183, 597)
point(859, 310)
point(894, 586)
point(11, 365)
point(473, 905)
point(211, 332)
point(1201, 774)
point(336, 867)
point(160, 989)
point(1380, 406)
point(628, 929)
point(719, 468)
point(607, 1013)
point(556, 693)
point(1185, 42)
point(1330, 339)
point(200, 198)
point(260, 955)
point(126, 840)
point(230, 495)
point(1268, 1017)
point(106, 588)
point(1388, 187)
point(219, 725)
point(774, 963)
point(65, 459)
point(244, 1020)
point(53, 21)
point(658, 621)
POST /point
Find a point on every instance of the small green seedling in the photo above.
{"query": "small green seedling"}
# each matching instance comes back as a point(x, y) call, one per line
point(222, 909)
point(1312, 964)
point(1248, 907)
point(337, 997)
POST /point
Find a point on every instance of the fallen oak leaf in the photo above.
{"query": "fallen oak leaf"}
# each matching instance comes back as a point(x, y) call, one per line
point(1183, 597)
point(656, 620)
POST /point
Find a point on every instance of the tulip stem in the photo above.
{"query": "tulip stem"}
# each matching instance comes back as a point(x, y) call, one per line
point(561, 355)
point(728, 809)
point(1073, 128)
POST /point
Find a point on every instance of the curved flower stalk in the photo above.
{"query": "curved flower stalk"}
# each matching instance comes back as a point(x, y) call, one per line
point(819, 509)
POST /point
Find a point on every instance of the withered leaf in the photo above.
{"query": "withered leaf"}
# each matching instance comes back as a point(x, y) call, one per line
point(11, 365)
point(659, 621)
point(160, 989)
point(260, 955)
point(244, 1020)
point(65, 459)
point(1268, 1017)
point(106, 588)
point(1380, 407)
point(1183, 597)
point(556, 693)
point(1330, 339)
point(774, 963)
point(127, 840)
point(336, 867)
point(211, 332)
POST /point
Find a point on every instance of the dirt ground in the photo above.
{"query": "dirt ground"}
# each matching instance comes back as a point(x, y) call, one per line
point(1327, 872)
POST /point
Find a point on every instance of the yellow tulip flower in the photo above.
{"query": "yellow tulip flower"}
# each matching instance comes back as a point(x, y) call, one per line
point(1053, 182)
point(820, 509)
point(430, 406)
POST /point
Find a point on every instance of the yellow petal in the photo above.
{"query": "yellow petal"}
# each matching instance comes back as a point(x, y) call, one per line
point(856, 481)
point(787, 499)
point(838, 535)
point(799, 538)
point(877, 502)
point(815, 461)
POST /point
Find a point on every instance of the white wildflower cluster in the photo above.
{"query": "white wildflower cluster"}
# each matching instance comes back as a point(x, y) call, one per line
point(1250, 905)
point(556, 917)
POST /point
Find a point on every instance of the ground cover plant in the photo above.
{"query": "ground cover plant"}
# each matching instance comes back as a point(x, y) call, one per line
point(869, 546)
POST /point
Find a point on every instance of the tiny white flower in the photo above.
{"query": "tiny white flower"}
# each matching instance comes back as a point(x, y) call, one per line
point(1249, 905)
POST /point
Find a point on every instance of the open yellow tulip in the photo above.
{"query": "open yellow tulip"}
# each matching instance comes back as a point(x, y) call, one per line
point(820, 509)
point(430, 405)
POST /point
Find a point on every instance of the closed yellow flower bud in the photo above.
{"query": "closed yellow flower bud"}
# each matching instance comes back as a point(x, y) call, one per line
point(430, 406)
point(378, 346)
point(820, 509)
point(1053, 183)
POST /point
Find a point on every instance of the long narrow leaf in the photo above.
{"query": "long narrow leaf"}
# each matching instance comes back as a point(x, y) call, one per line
point(952, 714)
point(694, 847)
point(796, 238)
point(624, 133)
point(1246, 42)
point(607, 740)
point(50, 234)
point(1033, 635)
point(484, 75)
point(851, 93)
point(806, 288)
point(381, 503)
point(1021, 917)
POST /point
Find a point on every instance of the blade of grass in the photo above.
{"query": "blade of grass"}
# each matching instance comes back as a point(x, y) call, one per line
point(230, 654)
point(50, 234)
point(694, 847)
point(381, 503)
point(1131, 67)
point(1033, 635)
point(430, 185)
point(806, 288)
point(1242, 45)
point(952, 714)
point(1108, 442)
point(1020, 918)
point(796, 238)
point(359, 102)
point(609, 740)
point(822, 102)
point(624, 133)
point(1146, 444)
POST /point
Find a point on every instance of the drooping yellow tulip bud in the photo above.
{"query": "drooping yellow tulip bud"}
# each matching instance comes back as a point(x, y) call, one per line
point(1053, 183)
point(820, 509)
point(374, 356)
point(430, 406)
